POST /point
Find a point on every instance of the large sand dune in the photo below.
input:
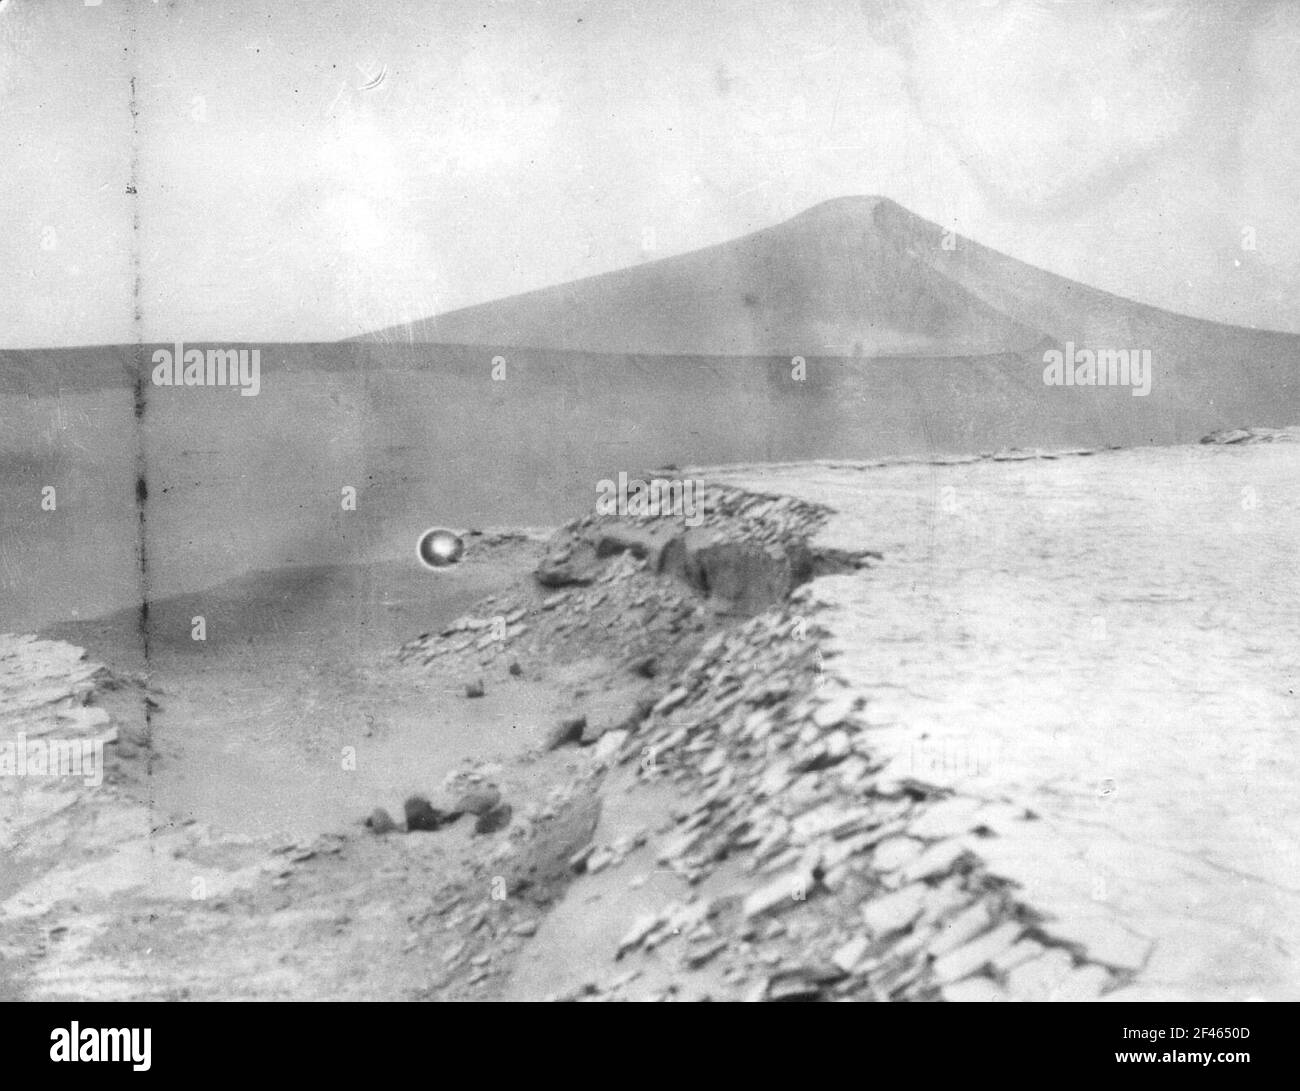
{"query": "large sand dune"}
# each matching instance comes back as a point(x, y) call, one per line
point(911, 350)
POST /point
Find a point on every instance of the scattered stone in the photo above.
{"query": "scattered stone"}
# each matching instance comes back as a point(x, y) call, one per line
point(972, 956)
point(475, 688)
point(1042, 978)
point(641, 928)
point(497, 818)
point(965, 926)
point(830, 820)
point(1250, 435)
point(578, 861)
point(836, 710)
point(421, 815)
point(598, 860)
point(781, 893)
point(670, 700)
point(892, 853)
point(380, 821)
point(609, 745)
point(477, 801)
point(699, 955)
point(1017, 955)
point(947, 818)
point(973, 990)
point(893, 912)
point(566, 732)
point(801, 983)
point(1086, 983)
point(939, 859)
point(565, 572)
point(850, 954)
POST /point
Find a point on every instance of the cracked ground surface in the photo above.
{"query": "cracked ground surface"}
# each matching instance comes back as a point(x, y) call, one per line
point(1109, 642)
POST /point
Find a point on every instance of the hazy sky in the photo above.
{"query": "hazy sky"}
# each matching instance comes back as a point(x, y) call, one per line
point(308, 171)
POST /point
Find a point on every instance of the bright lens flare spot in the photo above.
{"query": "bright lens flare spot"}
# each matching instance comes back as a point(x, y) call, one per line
point(440, 548)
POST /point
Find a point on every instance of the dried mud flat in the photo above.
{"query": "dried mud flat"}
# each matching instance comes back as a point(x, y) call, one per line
point(804, 751)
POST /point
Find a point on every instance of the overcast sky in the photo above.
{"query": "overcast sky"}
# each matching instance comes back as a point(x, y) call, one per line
point(309, 171)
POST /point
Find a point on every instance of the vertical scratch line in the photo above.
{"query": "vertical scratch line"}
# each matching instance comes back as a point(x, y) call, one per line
point(140, 382)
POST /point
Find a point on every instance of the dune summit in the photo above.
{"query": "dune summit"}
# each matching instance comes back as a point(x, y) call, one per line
point(855, 276)
point(926, 332)
point(840, 279)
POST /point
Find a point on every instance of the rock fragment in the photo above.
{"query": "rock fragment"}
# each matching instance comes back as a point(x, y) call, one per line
point(966, 959)
point(781, 893)
point(939, 859)
point(893, 912)
point(847, 956)
point(641, 927)
point(608, 746)
point(567, 732)
point(379, 821)
point(497, 818)
point(801, 983)
point(477, 801)
point(422, 816)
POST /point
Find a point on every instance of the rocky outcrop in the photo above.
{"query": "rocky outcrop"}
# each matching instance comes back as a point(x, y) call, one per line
point(748, 551)
point(1225, 437)
point(810, 869)
point(853, 885)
